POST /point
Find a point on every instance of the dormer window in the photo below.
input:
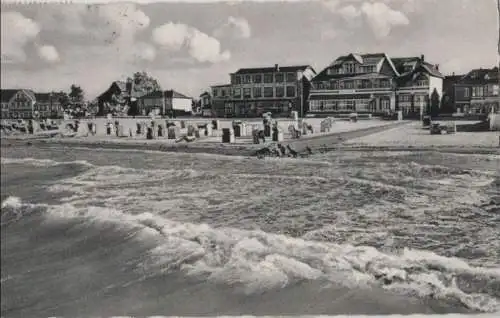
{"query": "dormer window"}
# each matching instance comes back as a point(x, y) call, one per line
point(349, 68)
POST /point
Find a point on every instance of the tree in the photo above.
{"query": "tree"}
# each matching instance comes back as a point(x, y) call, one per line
point(140, 84)
point(63, 99)
point(434, 103)
point(76, 94)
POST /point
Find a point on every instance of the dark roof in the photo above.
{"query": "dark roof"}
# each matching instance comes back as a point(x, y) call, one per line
point(480, 76)
point(173, 94)
point(272, 69)
point(153, 94)
point(205, 94)
point(168, 94)
point(7, 94)
point(45, 96)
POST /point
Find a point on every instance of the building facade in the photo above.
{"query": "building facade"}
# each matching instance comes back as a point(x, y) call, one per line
point(477, 92)
point(254, 91)
point(376, 84)
point(165, 102)
point(47, 105)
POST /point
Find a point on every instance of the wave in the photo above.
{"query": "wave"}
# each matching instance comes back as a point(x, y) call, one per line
point(256, 261)
point(43, 162)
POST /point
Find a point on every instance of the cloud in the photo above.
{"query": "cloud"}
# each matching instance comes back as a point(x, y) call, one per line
point(16, 32)
point(143, 52)
point(349, 12)
point(202, 47)
point(48, 53)
point(382, 18)
point(236, 27)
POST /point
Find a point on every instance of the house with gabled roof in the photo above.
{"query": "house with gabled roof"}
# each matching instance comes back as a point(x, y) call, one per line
point(257, 90)
point(374, 83)
point(17, 103)
point(169, 102)
point(477, 92)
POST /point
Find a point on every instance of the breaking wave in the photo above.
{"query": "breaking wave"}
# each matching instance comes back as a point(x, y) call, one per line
point(256, 261)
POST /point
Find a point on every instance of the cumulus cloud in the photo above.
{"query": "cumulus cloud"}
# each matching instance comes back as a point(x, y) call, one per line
point(48, 53)
point(16, 32)
point(236, 27)
point(382, 18)
point(202, 47)
point(379, 16)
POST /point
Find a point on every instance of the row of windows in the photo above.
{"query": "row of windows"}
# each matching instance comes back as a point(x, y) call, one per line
point(357, 84)
point(348, 105)
point(257, 92)
point(408, 98)
point(351, 68)
point(264, 78)
point(480, 91)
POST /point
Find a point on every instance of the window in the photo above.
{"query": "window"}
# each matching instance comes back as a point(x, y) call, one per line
point(215, 92)
point(290, 91)
point(257, 92)
point(385, 104)
point(320, 85)
point(268, 78)
point(280, 91)
point(291, 77)
point(237, 93)
point(349, 68)
point(362, 104)
point(495, 90)
point(477, 91)
point(223, 92)
point(366, 84)
point(334, 85)
point(348, 84)
point(466, 92)
point(257, 78)
point(247, 92)
point(237, 79)
point(384, 83)
point(279, 77)
point(368, 69)
point(350, 104)
point(268, 92)
point(405, 98)
point(247, 79)
point(423, 82)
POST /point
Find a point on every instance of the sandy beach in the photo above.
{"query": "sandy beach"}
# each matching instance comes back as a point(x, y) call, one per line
point(243, 146)
point(375, 136)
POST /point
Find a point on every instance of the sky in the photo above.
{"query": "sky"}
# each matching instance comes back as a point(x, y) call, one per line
point(189, 46)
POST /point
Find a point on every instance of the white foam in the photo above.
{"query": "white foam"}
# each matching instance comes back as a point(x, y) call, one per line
point(258, 261)
point(42, 162)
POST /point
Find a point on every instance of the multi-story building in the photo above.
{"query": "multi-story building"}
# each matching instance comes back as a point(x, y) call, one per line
point(19, 102)
point(165, 102)
point(26, 104)
point(448, 99)
point(47, 105)
point(375, 83)
point(478, 92)
point(254, 91)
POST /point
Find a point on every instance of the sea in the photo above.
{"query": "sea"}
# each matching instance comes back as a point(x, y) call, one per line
point(89, 232)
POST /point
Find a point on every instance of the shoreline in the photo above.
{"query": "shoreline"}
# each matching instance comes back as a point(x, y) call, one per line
point(320, 143)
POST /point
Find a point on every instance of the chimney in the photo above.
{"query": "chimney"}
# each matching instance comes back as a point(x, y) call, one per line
point(422, 57)
point(277, 67)
point(437, 67)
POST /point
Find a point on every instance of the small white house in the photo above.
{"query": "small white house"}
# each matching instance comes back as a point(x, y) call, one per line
point(166, 101)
